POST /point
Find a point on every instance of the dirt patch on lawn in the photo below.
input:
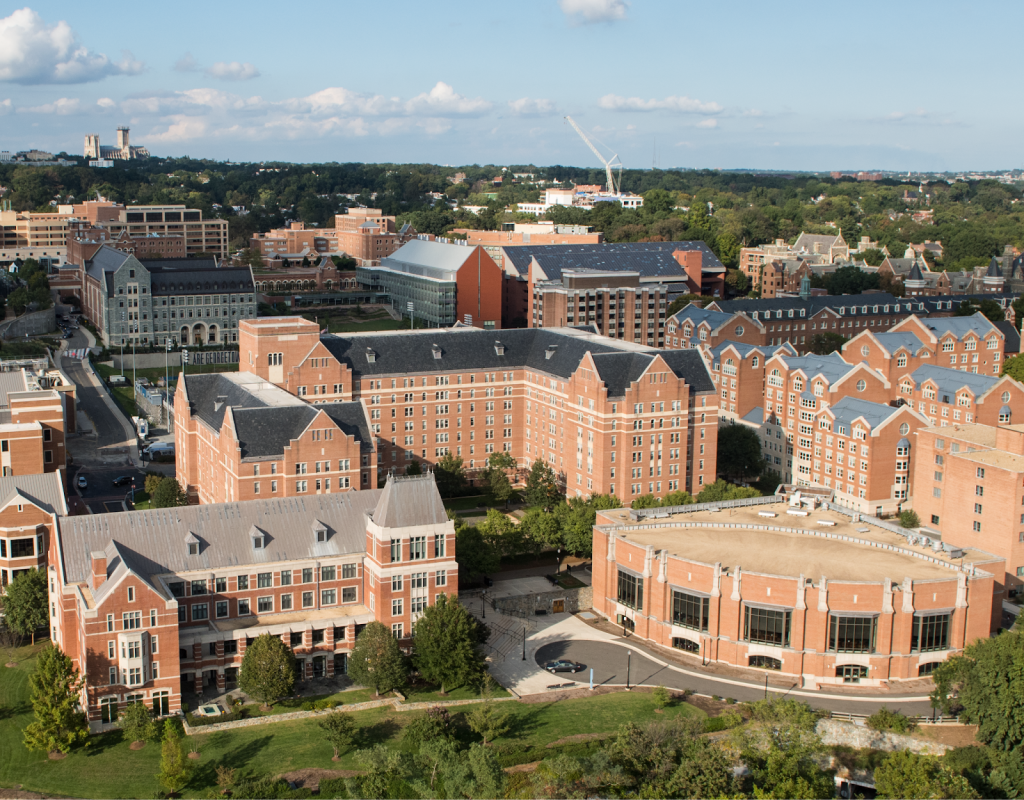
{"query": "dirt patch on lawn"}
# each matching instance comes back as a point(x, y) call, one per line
point(17, 793)
point(710, 707)
point(949, 735)
point(531, 767)
point(310, 778)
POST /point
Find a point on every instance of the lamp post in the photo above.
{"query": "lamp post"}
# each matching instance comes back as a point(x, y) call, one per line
point(412, 315)
point(629, 658)
point(167, 381)
point(483, 606)
point(524, 643)
point(122, 344)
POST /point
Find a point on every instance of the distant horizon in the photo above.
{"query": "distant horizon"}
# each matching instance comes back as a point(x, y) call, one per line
point(648, 81)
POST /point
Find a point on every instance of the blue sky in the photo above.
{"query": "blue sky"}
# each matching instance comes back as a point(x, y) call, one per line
point(795, 85)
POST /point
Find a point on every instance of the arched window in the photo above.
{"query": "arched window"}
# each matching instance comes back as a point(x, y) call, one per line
point(901, 360)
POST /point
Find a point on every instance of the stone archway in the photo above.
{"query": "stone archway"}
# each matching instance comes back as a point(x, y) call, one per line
point(212, 334)
point(199, 334)
point(183, 337)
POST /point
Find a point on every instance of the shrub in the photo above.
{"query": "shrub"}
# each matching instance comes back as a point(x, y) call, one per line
point(308, 706)
point(333, 788)
point(886, 720)
point(723, 722)
point(323, 704)
point(731, 701)
point(716, 698)
point(662, 697)
point(909, 519)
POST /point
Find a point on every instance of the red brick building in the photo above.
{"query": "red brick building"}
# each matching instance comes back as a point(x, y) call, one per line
point(155, 604)
point(609, 416)
point(706, 328)
point(238, 437)
point(29, 509)
point(811, 594)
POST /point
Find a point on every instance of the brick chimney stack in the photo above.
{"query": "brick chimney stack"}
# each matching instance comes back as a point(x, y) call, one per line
point(99, 568)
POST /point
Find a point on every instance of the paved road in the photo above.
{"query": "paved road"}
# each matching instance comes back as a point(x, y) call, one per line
point(608, 661)
point(101, 495)
point(110, 432)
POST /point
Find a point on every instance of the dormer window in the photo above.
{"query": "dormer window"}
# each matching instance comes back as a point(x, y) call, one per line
point(371, 356)
point(258, 538)
point(499, 348)
point(192, 543)
point(257, 542)
point(436, 350)
point(320, 531)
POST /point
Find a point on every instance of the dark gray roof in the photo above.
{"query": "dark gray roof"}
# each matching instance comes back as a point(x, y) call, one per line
point(264, 432)
point(556, 351)
point(409, 500)
point(650, 259)
point(813, 305)
point(994, 270)
point(915, 273)
point(154, 542)
point(1012, 342)
point(351, 418)
point(197, 276)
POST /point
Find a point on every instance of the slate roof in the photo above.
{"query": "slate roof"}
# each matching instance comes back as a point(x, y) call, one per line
point(197, 276)
point(806, 241)
point(755, 416)
point(474, 349)
point(11, 382)
point(831, 367)
point(1012, 342)
point(950, 381)
point(894, 340)
point(849, 409)
point(960, 326)
point(153, 542)
point(409, 500)
point(915, 273)
point(45, 490)
point(994, 270)
point(697, 315)
point(745, 349)
point(815, 304)
point(650, 259)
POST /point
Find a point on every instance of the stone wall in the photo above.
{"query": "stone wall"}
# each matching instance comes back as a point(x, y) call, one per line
point(851, 734)
point(527, 604)
point(32, 324)
point(156, 360)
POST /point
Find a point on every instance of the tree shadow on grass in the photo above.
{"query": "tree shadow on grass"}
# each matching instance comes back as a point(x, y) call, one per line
point(100, 744)
point(378, 733)
point(246, 754)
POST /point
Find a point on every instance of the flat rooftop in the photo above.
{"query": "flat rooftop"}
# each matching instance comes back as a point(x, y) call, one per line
point(790, 554)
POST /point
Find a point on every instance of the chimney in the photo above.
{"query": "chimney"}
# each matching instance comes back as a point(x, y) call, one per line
point(99, 568)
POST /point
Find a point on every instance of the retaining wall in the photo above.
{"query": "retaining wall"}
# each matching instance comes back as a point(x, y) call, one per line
point(852, 735)
point(31, 324)
point(527, 604)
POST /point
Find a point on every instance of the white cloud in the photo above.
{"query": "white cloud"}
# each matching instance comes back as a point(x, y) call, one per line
point(233, 71)
point(6, 106)
point(528, 107)
point(708, 123)
point(33, 52)
point(587, 11)
point(443, 101)
point(187, 63)
point(105, 103)
point(62, 106)
point(686, 105)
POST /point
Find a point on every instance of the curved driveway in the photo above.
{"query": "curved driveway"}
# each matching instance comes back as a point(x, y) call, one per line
point(608, 660)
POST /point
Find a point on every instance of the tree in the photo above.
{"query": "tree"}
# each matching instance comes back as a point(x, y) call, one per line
point(175, 768)
point(487, 719)
point(990, 308)
point(739, 452)
point(414, 468)
point(137, 723)
point(339, 730)
point(1014, 367)
point(677, 498)
point(1018, 312)
point(10, 639)
point(381, 766)
point(646, 501)
point(496, 478)
point(444, 640)
point(542, 486)
point(907, 774)
point(873, 257)
point(376, 659)
point(268, 669)
point(986, 685)
point(168, 494)
point(56, 690)
point(577, 519)
point(909, 519)
point(720, 491)
point(824, 343)
point(153, 480)
point(541, 528)
point(26, 605)
point(475, 555)
point(503, 534)
point(433, 724)
point(450, 476)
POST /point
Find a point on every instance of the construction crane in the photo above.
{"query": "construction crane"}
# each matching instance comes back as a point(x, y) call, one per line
point(609, 164)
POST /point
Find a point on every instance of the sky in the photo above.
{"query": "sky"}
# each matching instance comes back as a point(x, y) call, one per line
point(894, 85)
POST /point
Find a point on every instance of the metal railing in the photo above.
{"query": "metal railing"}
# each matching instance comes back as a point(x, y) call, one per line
point(692, 508)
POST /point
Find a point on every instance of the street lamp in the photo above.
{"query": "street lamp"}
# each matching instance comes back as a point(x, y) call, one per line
point(524, 643)
point(558, 560)
point(412, 315)
point(483, 606)
point(167, 381)
point(122, 344)
point(629, 658)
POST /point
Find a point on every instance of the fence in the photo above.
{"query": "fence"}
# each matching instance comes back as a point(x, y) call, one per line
point(692, 508)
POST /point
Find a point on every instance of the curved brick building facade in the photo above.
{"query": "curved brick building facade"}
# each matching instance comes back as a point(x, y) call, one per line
point(814, 595)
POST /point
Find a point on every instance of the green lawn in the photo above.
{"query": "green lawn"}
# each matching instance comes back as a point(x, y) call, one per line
point(466, 503)
point(107, 768)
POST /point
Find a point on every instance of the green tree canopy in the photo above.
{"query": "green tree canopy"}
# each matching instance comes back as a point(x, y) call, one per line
point(137, 723)
point(169, 494)
point(722, 490)
point(445, 644)
point(55, 688)
point(739, 452)
point(175, 768)
point(376, 659)
point(501, 533)
point(475, 555)
point(824, 343)
point(906, 774)
point(450, 476)
point(26, 605)
point(986, 685)
point(1014, 367)
point(338, 729)
point(496, 478)
point(989, 308)
point(268, 669)
point(542, 486)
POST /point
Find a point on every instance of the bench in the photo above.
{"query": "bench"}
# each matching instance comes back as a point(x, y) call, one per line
point(795, 512)
point(830, 523)
point(767, 514)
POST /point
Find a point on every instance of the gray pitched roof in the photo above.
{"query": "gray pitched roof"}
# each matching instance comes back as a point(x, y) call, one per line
point(556, 351)
point(815, 304)
point(1012, 342)
point(950, 381)
point(44, 490)
point(994, 269)
point(264, 432)
point(650, 259)
point(153, 542)
point(849, 409)
point(197, 276)
point(429, 255)
point(697, 315)
point(209, 395)
point(894, 340)
point(409, 500)
point(13, 381)
point(832, 367)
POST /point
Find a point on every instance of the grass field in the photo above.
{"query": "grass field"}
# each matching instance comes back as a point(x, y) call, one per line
point(107, 768)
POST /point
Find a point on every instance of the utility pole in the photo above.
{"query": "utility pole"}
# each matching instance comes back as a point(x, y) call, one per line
point(629, 658)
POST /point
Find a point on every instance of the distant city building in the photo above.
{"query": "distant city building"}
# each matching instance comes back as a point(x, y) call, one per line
point(123, 151)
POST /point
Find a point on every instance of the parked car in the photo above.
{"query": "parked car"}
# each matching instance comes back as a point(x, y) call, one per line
point(82, 482)
point(123, 480)
point(563, 666)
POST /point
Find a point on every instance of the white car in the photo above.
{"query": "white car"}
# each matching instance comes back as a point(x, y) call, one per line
point(82, 482)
